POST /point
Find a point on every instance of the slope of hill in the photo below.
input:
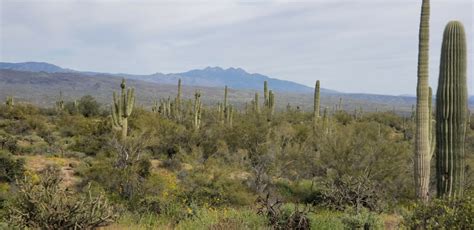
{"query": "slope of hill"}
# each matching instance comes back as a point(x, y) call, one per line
point(236, 78)
point(40, 83)
point(34, 67)
point(43, 89)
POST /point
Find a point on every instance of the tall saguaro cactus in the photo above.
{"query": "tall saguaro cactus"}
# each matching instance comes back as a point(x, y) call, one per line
point(122, 109)
point(451, 112)
point(177, 103)
point(266, 96)
point(10, 102)
point(256, 104)
point(317, 98)
point(225, 96)
point(60, 102)
point(422, 135)
point(271, 102)
point(197, 110)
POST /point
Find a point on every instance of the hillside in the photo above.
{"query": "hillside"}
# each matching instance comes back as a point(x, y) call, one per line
point(43, 88)
point(235, 78)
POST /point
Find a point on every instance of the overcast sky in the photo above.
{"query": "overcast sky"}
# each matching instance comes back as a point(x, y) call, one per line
point(367, 46)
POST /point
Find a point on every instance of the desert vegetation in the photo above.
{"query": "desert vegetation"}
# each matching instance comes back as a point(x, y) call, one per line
point(187, 164)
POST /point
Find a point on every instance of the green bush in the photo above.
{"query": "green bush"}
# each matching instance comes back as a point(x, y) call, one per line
point(362, 219)
point(442, 214)
point(88, 106)
point(10, 168)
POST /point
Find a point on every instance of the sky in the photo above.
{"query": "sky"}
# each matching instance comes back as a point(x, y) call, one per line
point(360, 46)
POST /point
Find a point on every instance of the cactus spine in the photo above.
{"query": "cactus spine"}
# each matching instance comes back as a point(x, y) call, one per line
point(451, 112)
point(122, 109)
point(197, 110)
point(422, 135)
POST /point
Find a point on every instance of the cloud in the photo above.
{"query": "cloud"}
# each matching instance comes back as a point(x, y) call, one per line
point(354, 46)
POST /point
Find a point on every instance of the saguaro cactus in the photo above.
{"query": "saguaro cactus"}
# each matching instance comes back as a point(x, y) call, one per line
point(256, 104)
point(76, 106)
point(177, 103)
point(60, 102)
point(122, 109)
point(197, 110)
point(225, 96)
point(451, 112)
point(10, 102)
point(422, 136)
point(339, 106)
point(317, 98)
point(229, 115)
point(155, 107)
point(271, 102)
point(265, 94)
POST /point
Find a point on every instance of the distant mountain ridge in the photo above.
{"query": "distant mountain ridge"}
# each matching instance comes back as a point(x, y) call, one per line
point(40, 83)
point(34, 67)
point(235, 78)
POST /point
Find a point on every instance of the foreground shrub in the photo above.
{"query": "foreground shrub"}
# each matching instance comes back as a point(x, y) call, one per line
point(283, 217)
point(442, 214)
point(348, 191)
point(10, 168)
point(362, 219)
point(41, 203)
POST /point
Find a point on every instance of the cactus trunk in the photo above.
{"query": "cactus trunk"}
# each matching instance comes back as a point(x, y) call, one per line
point(197, 110)
point(422, 135)
point(265, 94)
point(317, 99)
point(122, 109)
point(451, 112)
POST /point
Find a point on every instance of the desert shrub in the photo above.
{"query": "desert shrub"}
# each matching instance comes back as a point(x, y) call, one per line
point(18, 112)
point(343, 117)
point(296, 191)
point(44, 204)
point(173, 164)
point(326, 220)
point(88, 106)
point(361, 219)
point(442, 214)
point(348, 191)
point(213, 185)
point(10, 168)
point(223, 219)
point(280, 216)
point(361, 150)
point(10, 144)
point(124, 173)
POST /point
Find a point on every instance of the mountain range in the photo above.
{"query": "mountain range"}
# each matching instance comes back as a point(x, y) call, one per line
point(235, 78)
point(40, 83)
